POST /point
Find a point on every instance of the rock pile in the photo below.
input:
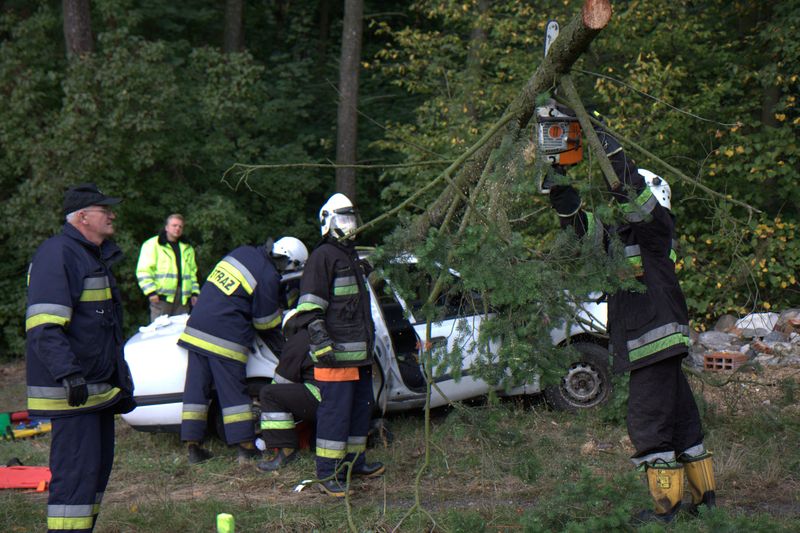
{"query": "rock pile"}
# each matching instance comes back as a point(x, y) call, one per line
point(765, 338)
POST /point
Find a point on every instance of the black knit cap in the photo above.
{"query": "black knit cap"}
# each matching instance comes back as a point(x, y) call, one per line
point(83, 195)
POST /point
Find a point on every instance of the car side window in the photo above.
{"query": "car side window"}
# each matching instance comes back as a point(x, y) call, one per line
point(454, 302)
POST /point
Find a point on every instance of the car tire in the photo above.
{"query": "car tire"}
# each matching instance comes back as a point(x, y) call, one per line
point(586, 384)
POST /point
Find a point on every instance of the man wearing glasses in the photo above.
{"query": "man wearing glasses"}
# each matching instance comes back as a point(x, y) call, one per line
point(76, 374)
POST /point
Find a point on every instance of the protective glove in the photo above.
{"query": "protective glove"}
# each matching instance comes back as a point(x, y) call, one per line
point(320, 345)
point(77, 391)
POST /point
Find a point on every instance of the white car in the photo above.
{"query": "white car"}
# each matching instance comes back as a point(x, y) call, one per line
point(158, 364)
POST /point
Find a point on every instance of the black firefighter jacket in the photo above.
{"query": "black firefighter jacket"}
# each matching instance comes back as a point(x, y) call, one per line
point(651, 325)
point(74, 325)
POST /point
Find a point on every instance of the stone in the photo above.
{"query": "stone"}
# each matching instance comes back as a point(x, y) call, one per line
point(718, 341)
point(725, 323)
point(752, 333)
point(788, 321)
point(758, 321)
point(775, 336)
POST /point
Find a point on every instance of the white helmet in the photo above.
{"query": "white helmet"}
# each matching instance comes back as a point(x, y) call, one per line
point(659, 187)
point(290, 250)
point(338, 216)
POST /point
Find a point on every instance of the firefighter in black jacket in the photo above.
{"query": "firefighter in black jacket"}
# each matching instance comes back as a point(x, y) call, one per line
point(292, 395)
point(240, 297)
point(649, 333)
point(341, 334)
point(76, 374)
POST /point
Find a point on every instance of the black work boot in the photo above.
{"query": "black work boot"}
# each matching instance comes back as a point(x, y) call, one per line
point(369, 469)
point(280, 460)
point(197, 454)
point(333, 487)
point(245, 453)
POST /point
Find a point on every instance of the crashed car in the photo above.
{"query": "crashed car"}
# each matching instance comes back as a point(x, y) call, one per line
point(158, 364)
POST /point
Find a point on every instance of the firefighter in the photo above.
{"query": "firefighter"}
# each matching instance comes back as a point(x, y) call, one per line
point(292, 395)
point(290, 255)
point(341, 333)
point(240, 297)
point(649, 333)
point(167, 270)
point(76, 374)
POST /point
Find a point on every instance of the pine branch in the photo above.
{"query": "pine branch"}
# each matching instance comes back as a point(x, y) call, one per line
point(673, 171)
point(591, 136)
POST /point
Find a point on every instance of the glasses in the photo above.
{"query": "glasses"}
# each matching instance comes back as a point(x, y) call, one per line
point(105, 210)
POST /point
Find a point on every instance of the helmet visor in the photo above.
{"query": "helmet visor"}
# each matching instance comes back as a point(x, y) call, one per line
point(346, 223)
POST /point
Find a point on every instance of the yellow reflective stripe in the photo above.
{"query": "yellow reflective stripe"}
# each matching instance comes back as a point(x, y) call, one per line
point(96, 295)
point(268, 325)
point(277, 424)
point(346, 290)
point(331, 454)
point(213, 348)
point(308, 306)
point(48, 404)
point(62, 522)
point(238, 417)
point(355, 448)
point(193, 415)
point(44, 318)
point(314, 390)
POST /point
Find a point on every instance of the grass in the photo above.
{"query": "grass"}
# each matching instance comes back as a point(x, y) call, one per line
point(511, 466)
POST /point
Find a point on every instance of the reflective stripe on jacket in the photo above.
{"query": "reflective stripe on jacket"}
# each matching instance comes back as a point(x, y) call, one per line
point(240, 296)
point(73, 325)
point(157, 272)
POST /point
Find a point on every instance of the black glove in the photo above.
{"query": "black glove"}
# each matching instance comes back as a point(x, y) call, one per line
point(77, 391)
point(321, 345)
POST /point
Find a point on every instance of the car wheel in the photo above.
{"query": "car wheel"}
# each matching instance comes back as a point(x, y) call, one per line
point(587, 382)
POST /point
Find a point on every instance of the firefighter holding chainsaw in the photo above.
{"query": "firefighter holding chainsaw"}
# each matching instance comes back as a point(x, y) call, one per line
point(649, 329)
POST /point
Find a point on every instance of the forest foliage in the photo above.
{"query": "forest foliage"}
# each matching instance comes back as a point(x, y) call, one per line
point(158, 113)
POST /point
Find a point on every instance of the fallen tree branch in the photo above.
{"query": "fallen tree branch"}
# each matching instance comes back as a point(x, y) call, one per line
point(591, 136)
point(573, 40)
point(673, 171)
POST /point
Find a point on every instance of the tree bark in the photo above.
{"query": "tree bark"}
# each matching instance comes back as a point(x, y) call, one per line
point(324, 28)
point(347, 117)
point(572, 41)
point(234, 27)
point(77, 27)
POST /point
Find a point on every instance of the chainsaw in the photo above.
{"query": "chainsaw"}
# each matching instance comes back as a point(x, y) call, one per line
point(558, 133)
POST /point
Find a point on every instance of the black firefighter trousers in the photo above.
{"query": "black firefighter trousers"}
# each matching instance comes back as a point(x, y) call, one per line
point(663, 420)
point(81, 457)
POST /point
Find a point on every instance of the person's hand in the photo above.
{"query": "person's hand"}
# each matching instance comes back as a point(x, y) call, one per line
point(153, 298)
point(77, 391)
point(194, 300)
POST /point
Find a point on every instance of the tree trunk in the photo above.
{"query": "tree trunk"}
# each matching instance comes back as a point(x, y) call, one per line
point(347, 117)
point(572, 41)
point(477, 40)
point(77, 27)
point(324, 28)
point(234, 26)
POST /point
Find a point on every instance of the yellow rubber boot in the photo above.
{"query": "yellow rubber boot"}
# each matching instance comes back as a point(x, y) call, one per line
point(666, 488)
point(700, 475)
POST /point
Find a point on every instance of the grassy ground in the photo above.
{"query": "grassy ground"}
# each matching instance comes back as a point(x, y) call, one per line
point(494, 468)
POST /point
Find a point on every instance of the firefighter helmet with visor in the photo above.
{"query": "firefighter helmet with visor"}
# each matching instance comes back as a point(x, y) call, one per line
point(337, 217)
